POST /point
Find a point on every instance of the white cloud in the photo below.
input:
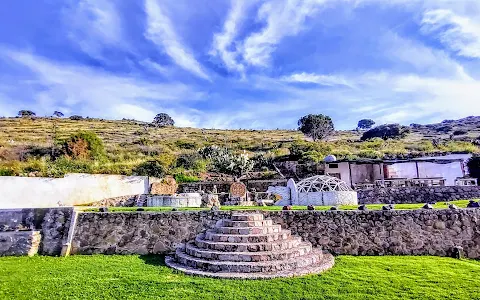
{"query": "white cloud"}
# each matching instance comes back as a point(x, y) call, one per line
point(326, 80)
point(282, 18)
point(222, 41)
point(93, 92)
point(460, 34)
point(160, 31)
point(94, 24)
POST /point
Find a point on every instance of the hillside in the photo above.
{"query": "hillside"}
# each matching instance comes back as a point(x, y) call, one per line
point(26, 144)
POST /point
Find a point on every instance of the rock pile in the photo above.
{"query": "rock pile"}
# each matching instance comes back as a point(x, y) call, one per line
point(249, 247)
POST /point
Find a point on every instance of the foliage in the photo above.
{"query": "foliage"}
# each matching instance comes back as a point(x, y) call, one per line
point(460, 132)
point(192, 161)
point(26, 113)
point(473, 165)
point(84, 145)
point(225, 161)
point(316, 126)
point(76, 118)
point(365, 123)
point(147, 277)
point(157, 167)
point(180, 178)
point(387, 131)
point(58, 114)
point(163, 120)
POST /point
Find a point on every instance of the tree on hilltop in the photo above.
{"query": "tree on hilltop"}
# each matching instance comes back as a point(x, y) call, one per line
point(163, 120)
point(26, 113)
point(365, 123)
point(316, 126)
point(58, 114)
point(385, 132)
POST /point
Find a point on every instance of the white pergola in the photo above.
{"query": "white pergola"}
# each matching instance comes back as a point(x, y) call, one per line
point(322, 183)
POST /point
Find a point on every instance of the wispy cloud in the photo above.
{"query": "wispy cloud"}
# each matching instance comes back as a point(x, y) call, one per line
point(94, 25)
point(222, 42)
point(161, 32)
point(97, 93)
point(326, 80)
point(460, 34)
point(282, 19)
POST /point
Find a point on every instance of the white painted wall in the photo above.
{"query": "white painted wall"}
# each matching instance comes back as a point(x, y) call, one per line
point(328, 198)
point(448, 171)
point(73, 189)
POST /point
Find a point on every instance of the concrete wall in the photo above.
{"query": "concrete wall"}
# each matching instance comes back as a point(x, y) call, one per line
point(327, 198)
point(417, 232)
point(73, 189)
point(418, 194)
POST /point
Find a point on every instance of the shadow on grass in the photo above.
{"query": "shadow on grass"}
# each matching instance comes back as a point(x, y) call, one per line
point(155, 260)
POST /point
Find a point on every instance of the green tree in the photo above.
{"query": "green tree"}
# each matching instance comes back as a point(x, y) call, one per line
point(365, 123)
point(58, 114)
point(473, 165)
point(316, 126)
point(26, 113)
point(163, 120)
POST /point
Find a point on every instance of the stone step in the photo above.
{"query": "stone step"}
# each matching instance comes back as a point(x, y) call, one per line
point(211, 235)
point(247, 217)
point(324, 264)
point(193, 250)
point(230, 223)
point(246, 267)
point(249, 230)
point(250, 247)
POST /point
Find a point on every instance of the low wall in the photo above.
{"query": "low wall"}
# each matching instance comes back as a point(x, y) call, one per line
point(180, 200)
point(402, 232)
point(418, 194)
point(52, 224)
point(73, 189)
point(327, 198)
point(19, 243)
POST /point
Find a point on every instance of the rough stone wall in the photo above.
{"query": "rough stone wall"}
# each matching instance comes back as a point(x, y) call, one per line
point(19, 243)
point(52, 223)
point(418, 194)
point(263, 185)
point(194, 187)
point(408, 232)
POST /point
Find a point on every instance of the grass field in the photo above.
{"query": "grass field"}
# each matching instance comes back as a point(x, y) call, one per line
point(439, 205)
point(146, 277)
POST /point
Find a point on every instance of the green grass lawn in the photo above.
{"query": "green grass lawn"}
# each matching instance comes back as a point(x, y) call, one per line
point(439, 205)
point(146, 277)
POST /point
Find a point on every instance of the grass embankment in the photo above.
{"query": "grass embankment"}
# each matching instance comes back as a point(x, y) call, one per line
point(26, 145)
point(146, 277)
point(439, 205)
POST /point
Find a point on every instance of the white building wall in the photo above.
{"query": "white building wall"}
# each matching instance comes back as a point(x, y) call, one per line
point(448, 171)
point(342, 169)
point(73, 189)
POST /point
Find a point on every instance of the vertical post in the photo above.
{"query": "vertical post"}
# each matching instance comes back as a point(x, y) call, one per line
point(416, 166)
point(350, 171)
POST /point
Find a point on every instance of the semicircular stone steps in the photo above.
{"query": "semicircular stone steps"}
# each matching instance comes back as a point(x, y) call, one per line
point(248, 247)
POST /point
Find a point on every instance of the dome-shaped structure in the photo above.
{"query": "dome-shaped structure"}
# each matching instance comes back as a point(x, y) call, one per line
point(322, 183)
point(330, 158)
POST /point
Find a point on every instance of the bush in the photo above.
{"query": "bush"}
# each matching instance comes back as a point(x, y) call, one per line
point(179, 178)
point(460, 132)
point(387, 131)
point(76, 118)
point(26, 113)
point(189, 145)
point(84, 145)
point(192, 161)
point(163, 120)
point(473, 165)
point(152, 168)
point(64, 165)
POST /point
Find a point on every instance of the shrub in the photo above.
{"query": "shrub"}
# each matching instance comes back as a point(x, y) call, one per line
point(76, 118)
point(192, 161)
point(189, 145)
point(84, 145)
point(444, 128)
point(473, 165)
point(64, 165)
point(151, 168)
point(186, 178)
point(460, 132)
point(387, 131)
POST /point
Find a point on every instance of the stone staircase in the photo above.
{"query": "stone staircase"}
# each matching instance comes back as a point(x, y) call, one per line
point(249, 247)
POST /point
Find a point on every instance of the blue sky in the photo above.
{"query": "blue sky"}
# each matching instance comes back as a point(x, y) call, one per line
point(242, 64)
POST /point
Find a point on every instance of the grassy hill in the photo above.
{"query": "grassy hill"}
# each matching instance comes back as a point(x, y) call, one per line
point(26, 144)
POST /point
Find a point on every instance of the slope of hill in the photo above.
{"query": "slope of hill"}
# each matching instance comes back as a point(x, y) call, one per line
point(26, 144)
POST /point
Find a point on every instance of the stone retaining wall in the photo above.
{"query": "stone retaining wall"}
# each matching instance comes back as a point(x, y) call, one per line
point(407, 232)
point(52, 223)
point(418, 194)
point(19, 243)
